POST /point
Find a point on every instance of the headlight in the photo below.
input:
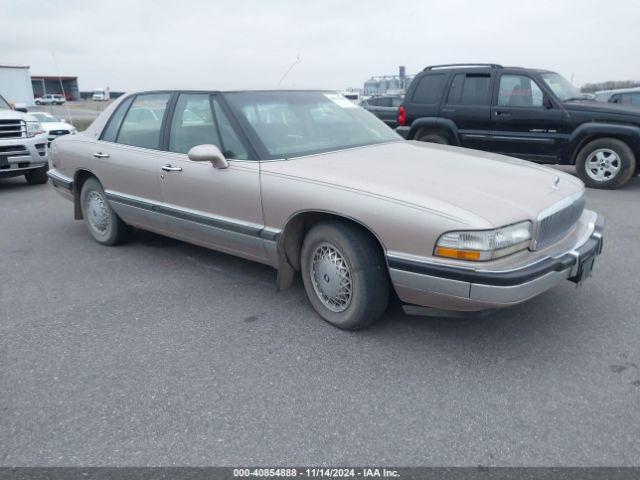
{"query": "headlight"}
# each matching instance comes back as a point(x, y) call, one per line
point(34, 128)
point(482, 245)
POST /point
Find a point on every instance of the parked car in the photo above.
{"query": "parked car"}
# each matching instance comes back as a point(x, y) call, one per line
point(531, 114)
point(53, 99)
point(53, 126)
point(23, 145)
point(307, 181)
point(385, 107)
point(625, 96)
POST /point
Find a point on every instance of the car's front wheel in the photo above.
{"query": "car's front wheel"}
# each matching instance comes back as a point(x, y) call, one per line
point(344, 275)
point(103, 223)
point(605, 163)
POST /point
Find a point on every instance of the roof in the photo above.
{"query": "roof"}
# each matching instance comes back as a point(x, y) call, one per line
point(52, 77)
point(14, 66)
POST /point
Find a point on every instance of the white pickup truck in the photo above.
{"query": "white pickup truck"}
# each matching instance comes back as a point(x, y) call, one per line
point(23, 145)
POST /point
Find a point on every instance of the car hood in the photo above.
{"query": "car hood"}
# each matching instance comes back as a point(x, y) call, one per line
point(48, 126)
point(604, 107)
point(470, 186)
point(14, 115)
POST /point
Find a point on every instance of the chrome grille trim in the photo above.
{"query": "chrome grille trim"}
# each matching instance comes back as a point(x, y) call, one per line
point(556, 222)
point(13, 129)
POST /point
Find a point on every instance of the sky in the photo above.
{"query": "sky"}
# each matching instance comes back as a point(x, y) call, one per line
point(218, 44)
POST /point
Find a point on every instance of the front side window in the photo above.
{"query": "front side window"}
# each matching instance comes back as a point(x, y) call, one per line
point(232, 146)
point(429, 90)
point(291, 124)
point(519, 91)
point(192, 123)
point(143, 122)
point(469, 89)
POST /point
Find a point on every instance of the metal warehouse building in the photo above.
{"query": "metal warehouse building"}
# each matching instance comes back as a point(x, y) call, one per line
point(15, 84)
point(67, 86)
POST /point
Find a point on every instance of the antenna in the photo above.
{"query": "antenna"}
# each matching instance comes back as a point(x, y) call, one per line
point(297, 61)
point(55, 62)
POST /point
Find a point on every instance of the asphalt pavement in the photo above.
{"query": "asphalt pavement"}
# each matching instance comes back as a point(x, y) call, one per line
point(162, 353)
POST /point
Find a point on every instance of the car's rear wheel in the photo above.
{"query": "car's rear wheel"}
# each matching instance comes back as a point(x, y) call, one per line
point(103, 223)
point(344, 275)
point(433, 137)
point(605, 163)
point(37, 176)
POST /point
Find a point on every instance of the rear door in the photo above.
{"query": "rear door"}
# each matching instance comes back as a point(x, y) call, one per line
point(468, 105)
point(126, 159)
point(526, 122)
point(217, 208)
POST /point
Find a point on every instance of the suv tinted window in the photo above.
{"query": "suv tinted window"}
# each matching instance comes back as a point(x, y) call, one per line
point(469, 89)
point(519, 91)
point(109, 134)
point(384, 102)
point(142, 123)
point(192, 123)
point(630, 99)
point(429, 90)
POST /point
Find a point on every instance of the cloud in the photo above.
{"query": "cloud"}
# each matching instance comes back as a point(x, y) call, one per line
point(144, 44)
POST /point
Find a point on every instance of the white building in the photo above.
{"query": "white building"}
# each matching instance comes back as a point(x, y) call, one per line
point(15, 84)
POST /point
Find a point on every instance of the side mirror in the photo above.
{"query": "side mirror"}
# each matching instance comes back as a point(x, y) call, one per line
point(548, 104)
point(208, 153)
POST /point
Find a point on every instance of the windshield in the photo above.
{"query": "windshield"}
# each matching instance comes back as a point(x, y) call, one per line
point(4, 105)
point(292, 124)
point(563, 89)
point(43, 117)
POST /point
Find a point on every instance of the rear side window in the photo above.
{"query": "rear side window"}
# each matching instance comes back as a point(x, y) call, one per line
point(630, 99)
point(143, 122)
point(429, 90)
point(469, 89)
point(109, 134)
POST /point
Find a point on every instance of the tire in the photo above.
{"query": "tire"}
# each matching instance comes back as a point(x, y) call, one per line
point(366, 274)
point(433, 138)
point(605, 163)
point(38, 102)
point(37, 176)
point(101, 220)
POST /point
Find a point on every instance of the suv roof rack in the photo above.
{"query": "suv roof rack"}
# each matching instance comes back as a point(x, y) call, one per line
point(491, 65)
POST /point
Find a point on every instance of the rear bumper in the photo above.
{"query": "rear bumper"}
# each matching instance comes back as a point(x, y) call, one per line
point(465, 289)
point(403, 131)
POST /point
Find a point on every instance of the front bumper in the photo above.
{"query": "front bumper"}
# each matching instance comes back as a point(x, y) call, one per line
point(18, 155)
point(465, 289)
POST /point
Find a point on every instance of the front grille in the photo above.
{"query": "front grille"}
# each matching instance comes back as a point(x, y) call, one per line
point(12, 129)
point(555, 226)
point(57, 133)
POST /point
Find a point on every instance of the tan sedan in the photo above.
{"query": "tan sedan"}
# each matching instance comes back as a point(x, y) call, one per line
point(307, 181)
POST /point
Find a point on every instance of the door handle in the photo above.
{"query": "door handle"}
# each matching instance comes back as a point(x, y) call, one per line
point(169, 168)
point(502, 113)
point(101, 155)
point(448, 110)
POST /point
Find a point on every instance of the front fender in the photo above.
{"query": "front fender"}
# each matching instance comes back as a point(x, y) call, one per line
point(587, 131)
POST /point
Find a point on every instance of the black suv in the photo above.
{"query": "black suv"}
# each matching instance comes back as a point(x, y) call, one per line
point(532, 114)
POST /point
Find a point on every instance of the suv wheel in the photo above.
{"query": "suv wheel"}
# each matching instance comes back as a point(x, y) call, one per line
point(103, 223)
point(344, 275)
point(605, 163)
point(433, 138)
point(37, 176)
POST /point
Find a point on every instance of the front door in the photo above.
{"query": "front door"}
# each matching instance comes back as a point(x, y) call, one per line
point(525, 122)
point(216, 208)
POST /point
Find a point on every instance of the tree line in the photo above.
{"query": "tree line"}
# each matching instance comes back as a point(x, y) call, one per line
point(609, 85)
